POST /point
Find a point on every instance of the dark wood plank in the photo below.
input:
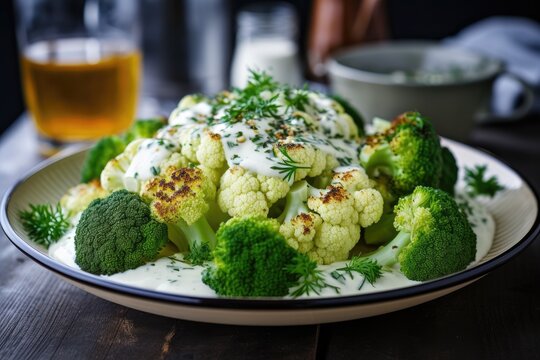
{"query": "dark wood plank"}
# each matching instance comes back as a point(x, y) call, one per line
point(497, 317)
point(43, 317)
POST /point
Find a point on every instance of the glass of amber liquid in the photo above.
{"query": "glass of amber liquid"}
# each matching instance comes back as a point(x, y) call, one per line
point(80, 65)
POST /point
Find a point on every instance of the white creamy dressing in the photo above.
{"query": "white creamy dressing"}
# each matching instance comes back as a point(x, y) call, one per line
point(172, 275)
point(251, 146)
point(147, 161)
point(240, 149)
point(248, 145)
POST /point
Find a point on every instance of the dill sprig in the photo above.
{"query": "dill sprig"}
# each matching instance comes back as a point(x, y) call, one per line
point(478, 184)
point(198, 254)
point(260, 81)
point(368, 268)
point(45, 224)
point(296, 99)
point(287, 166)
point(311, 279)
point(249, 103)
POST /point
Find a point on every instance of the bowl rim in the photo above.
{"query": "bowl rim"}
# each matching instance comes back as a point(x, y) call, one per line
point(260, 303)
point(336, 69)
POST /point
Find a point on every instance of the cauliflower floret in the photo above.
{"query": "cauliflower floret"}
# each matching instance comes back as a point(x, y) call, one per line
point(335, 205)
point(181, 198)
point(352, 178)
point(186, 137)
point(325, 223)
point(369, 203)
point(80, 196)
point(333, 242)
point(141, 160)
point(339, 231)
point(175, 160)
point(242, 192)
point(199, 146)
point(210, 151)
point(300, 231)
point(310, 160)
point(322, 224)
point(179, 194)
point(213, 175)
point(112, 176)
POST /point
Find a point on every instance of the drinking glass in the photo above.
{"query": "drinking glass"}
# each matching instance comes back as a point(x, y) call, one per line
point(80, 64)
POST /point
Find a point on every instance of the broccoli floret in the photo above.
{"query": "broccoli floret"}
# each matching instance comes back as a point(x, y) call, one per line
point(449, 174)
point(180, 198)
point(117, 233)
point(251, 259)
point(435, 238)
point(406, 155)
point(98, 156)
point(353, 113)
point(144, 129)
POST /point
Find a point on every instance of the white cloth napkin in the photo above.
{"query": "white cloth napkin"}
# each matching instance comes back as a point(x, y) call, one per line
point(515, 41)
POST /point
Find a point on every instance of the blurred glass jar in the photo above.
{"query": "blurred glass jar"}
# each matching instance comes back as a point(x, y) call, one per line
point(80, 67)
point(267, 40)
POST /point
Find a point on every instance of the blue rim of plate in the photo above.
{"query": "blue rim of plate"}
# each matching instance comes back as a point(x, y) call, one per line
point(261, 303)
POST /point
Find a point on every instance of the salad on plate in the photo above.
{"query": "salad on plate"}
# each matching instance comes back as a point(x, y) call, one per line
point(269, 191)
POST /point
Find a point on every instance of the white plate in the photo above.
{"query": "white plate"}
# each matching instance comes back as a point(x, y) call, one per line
point(515, 212)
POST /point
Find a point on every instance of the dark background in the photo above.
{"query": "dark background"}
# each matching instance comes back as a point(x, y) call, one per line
point(425, 19)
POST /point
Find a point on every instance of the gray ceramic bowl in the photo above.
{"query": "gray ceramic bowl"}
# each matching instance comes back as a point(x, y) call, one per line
point(450, 85)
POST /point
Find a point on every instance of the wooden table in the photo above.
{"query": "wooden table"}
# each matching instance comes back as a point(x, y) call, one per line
point(498, 317)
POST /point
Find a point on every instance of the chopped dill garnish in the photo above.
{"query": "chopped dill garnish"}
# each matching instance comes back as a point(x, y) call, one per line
point(478, 184)
point(311, 279)
point(287, 166)
point(368, 268)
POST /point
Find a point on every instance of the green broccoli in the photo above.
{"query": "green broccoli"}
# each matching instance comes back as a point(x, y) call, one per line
point(353, 113)
point(435, 238)
point(117, 233)
point(251, 258)
point(404, 156)
point(98, 156)
point(144, 129)
point(180, 198)
point(449, 175)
